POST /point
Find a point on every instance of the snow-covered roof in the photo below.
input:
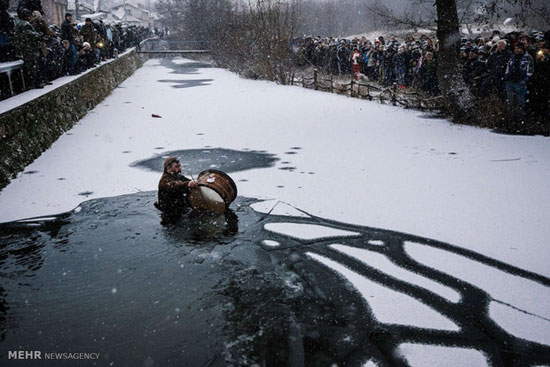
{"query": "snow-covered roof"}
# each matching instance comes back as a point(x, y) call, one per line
point(88, 4)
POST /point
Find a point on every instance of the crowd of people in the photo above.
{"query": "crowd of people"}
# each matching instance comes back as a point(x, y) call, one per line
point(514, 67)
point(49, 51)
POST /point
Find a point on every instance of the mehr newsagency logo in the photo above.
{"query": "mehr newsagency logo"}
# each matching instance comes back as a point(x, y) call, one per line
point(36, 354)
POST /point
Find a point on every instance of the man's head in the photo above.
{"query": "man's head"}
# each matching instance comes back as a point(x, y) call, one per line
point(501, 45)
point(88, 20)
point(172, 165)
point(66, 44)
point(429, 56)
point(68, 17)
point(519, 49)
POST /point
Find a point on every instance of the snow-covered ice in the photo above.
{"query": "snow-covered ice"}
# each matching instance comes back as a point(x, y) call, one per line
point(307, 231)
point(529, 298)
point(521, 324)
point(270, 243)
point(277, 207)
point(389, 306)
point(423, 355)
point(383, 264)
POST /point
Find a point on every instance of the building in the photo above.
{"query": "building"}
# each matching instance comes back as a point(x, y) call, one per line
point(54, 10)
point(132, 14)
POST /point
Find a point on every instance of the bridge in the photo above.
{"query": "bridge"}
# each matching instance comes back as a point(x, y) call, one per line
point(157, 46)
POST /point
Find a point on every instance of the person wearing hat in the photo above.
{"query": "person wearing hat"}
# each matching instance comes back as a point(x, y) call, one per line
point(518, 71)
point(173, 188)
point(474, 69)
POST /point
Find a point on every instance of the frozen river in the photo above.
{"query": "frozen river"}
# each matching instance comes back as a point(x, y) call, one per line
point(425, 221)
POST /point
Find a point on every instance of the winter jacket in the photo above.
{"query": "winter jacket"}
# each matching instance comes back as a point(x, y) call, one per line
point(67, 31)
point(496, 64)
point(7, 32)
point(172, 192)
point(519, 69)
point(88, 34)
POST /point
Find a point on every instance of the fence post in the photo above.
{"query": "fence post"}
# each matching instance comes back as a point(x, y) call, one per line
point(351, 88)
point(394, 95)
point(315, 79)
point(331, 84)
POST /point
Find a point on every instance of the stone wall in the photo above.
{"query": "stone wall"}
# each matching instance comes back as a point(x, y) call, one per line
point(28, 130)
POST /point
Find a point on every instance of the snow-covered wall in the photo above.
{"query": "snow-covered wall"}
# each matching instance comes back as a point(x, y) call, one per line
point(29, 129)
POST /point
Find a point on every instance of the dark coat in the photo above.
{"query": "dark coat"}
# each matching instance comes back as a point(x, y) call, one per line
point(7, 34)
point(496, 65)
point(67, 31)
point(519, 69)
point(172, 193)
point(30, 5)
point(88, 34)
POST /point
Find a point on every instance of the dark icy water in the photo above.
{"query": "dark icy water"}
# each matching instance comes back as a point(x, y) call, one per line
point(197, 160)
point(206, 291)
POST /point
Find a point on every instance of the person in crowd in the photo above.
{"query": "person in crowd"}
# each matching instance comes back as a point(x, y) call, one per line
point(7, 33)
point(30, 5)
point(27, 48)
point(388, 66)
point(86, 57)
point(401, 62)
point(70, 58)
point(108, 41)
point(88, 33)
point(371, 63)
point(474, 70)
point(518, 72)
point(356, 58)
point(68, 29)
point(496, 68)
point(539, 86)
point(428, 75)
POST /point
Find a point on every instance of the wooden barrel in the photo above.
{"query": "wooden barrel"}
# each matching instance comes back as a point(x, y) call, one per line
point(216, 191)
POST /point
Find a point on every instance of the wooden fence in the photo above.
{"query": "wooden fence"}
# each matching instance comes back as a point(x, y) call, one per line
point(364, 90)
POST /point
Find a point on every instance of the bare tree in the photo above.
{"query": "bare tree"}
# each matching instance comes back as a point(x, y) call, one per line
point(256, 40)
point(458, 98)
point(194, 19)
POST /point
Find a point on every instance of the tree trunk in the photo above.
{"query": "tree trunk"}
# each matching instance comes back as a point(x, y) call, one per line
point(457, 96)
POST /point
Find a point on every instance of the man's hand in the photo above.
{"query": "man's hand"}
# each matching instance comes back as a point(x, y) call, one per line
point(193, 184)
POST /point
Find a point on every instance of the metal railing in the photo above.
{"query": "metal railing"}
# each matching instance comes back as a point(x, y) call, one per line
point(8, 68)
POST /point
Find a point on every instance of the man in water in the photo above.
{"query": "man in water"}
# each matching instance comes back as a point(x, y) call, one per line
point(173, 188)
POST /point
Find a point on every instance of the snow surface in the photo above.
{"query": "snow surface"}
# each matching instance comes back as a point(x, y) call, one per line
point(375, 242)
point(520, 324)
point(270, 243)
point(523, 294)
point(307, 231)
point(383, 264)
point(276, 207)
point(424, 355)
point(387, 305)
point(370, 363)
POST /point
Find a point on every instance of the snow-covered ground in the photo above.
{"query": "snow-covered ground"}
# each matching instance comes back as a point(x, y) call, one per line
point(360, 162)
